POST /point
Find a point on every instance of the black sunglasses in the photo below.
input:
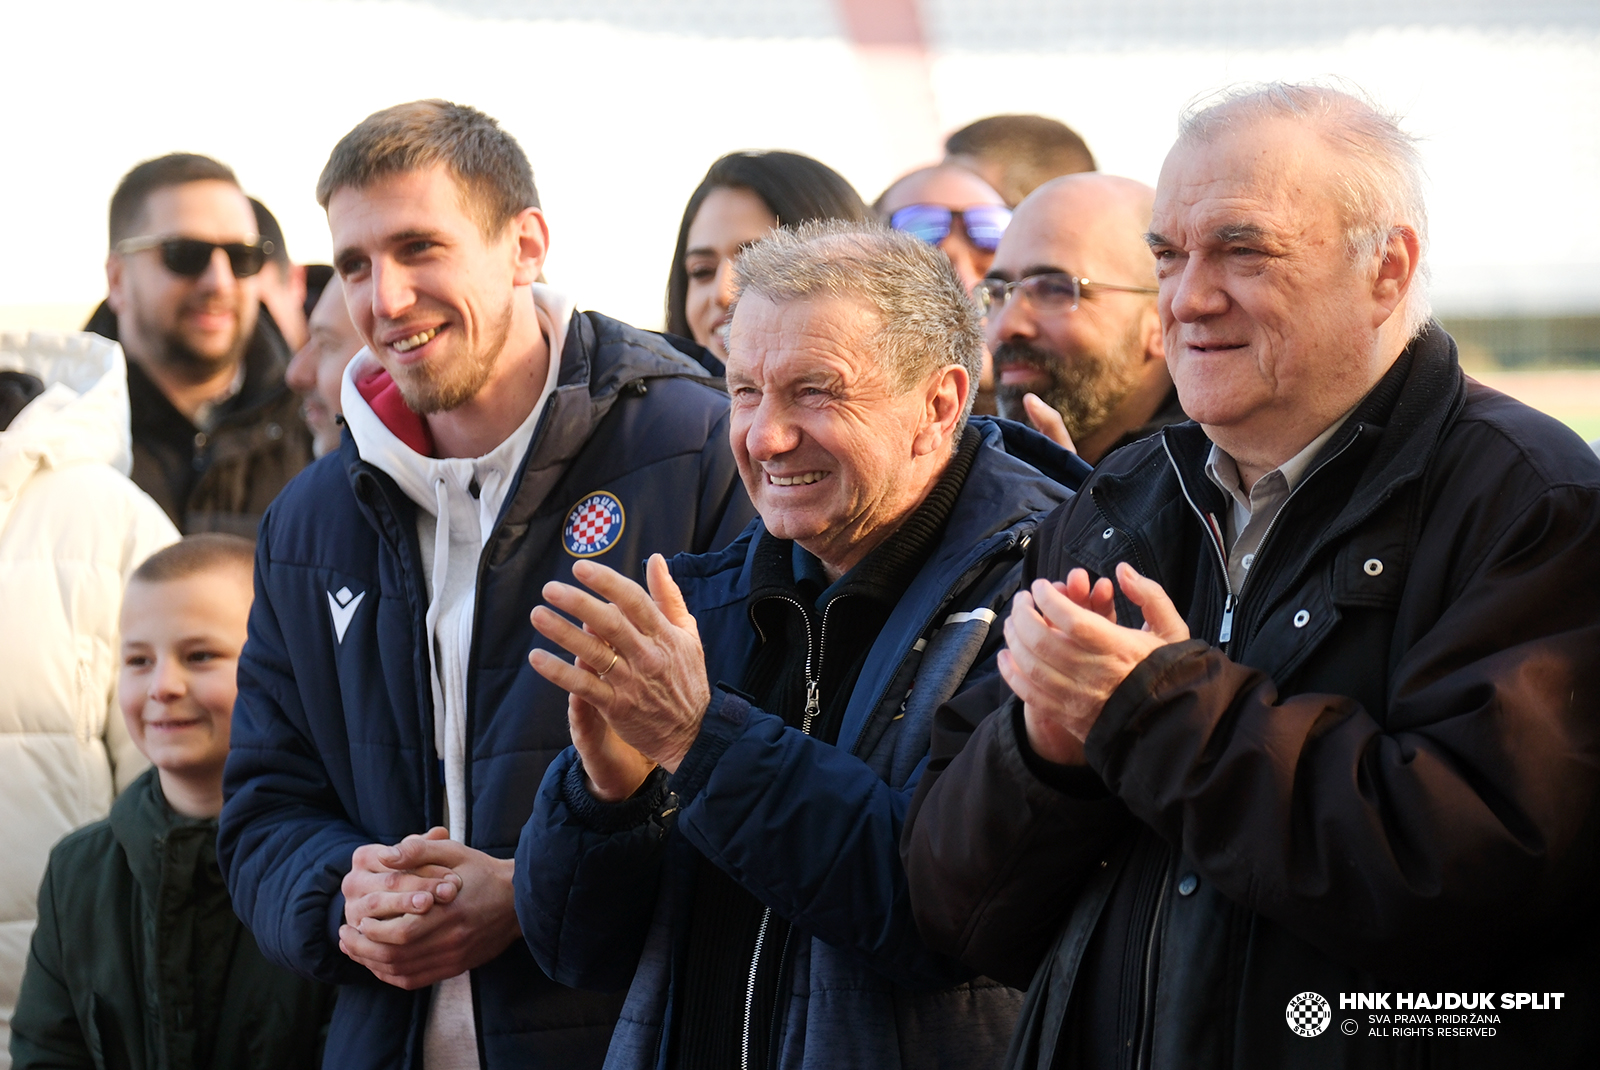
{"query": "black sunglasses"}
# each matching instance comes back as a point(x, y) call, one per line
point(190, 257)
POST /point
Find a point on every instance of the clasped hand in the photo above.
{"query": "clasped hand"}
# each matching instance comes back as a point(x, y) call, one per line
point(637, 687)
point(1065, 653)
point(426, 909)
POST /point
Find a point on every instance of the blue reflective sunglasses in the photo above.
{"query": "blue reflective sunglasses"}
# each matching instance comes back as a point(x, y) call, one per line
point(984, 223)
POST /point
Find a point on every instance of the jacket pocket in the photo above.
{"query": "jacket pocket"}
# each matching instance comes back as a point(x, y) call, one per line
point(108, 1044)
point(1297, 625)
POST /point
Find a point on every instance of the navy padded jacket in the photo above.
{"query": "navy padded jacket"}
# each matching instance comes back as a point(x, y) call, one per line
point(811, 829)
point(333, 736)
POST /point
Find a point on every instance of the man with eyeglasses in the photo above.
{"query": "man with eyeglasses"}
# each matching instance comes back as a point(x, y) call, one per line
point(1071, 316)
point(952, 208)
point(216, 433)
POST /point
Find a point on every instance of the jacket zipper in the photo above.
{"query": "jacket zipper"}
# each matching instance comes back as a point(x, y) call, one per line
point(1214, 529)
point(813, 707)
point(1147, 995)
point(750, 990)
point(1214, 535)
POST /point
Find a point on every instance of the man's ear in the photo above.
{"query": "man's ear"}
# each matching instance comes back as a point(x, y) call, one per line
point(946, 400)
point(114, 283)
point(1396, 272)
point(1150, 335)
point(532, 236)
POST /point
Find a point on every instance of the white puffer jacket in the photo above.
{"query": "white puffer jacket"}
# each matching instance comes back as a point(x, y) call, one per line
point(72, 529)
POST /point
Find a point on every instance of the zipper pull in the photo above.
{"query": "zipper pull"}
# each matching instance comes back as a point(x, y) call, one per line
point(1227, 620)
point(813, 704)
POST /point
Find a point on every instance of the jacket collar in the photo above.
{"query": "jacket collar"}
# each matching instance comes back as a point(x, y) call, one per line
point(153, 416)
point(600, 358)
point(1389, 438)
point(1000, 502)
point(142, 821)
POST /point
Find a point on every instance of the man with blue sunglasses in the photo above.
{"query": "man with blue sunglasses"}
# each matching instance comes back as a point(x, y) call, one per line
point(952, 208)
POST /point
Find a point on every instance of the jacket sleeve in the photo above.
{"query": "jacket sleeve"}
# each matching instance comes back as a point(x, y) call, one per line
point(45, 1031)
point(999, 841)
point(809, 830)
point(1469, 808)
point(284, 841)
point(587, 876)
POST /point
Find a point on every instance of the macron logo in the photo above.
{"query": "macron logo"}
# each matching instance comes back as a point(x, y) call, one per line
point(343, 606)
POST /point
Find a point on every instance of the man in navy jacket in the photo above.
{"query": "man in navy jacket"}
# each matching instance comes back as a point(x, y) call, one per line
point(495, 437)
point(723, 839)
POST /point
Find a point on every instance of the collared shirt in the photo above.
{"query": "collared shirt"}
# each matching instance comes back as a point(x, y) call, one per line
point(1252, 514)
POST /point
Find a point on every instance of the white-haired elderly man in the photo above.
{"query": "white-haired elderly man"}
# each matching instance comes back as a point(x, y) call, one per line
point(723, 839)
point(1332, 760)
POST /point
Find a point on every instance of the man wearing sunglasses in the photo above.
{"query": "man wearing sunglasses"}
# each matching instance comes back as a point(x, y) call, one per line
point(216, 433)
point(1071, 316)
point(952, 208)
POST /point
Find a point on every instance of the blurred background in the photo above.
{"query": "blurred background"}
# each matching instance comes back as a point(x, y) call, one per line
point(622, 104)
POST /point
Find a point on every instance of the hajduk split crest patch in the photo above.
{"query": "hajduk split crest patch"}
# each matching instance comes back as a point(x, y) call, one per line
point(593, 525)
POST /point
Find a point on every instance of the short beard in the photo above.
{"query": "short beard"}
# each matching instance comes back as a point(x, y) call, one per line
point(182, 361)
point(459, 380)
point(1084, 390)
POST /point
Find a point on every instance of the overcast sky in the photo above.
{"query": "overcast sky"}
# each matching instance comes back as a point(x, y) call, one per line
point(621, 114)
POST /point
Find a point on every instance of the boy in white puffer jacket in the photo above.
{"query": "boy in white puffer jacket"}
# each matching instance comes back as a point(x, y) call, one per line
point(73, 527)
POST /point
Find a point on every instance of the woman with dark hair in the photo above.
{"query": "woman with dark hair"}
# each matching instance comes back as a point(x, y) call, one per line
point(743, 196)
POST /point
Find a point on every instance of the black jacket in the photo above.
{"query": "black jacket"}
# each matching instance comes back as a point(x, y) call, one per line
point(1385, 782)
point(222, 479)
point(333, 733)
point(139, 961)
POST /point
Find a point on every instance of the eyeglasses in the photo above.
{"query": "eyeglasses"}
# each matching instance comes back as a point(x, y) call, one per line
point(190, 257)
point(984, 223)
point(1049, 291)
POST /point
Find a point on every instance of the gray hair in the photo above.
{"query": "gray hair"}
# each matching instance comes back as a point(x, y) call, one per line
point(928, 321)
point(1381, 188)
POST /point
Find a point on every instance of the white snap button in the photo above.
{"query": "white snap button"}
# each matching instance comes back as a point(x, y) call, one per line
point(1301, 619)
point(1107, 533)
point(1373, 567)
point(1247, 561)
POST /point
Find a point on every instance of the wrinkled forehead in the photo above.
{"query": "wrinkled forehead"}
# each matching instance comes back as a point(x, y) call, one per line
point(1271, 173)
point(802, 337)
point(209, 210)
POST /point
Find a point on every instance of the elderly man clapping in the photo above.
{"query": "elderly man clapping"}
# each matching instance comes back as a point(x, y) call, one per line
point(1340, 745)
point(723, 836)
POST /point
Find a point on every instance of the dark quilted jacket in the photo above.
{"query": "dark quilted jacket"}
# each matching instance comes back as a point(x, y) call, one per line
point(333, 737)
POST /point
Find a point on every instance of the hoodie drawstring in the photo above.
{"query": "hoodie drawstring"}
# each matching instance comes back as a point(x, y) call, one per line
point(441, 566)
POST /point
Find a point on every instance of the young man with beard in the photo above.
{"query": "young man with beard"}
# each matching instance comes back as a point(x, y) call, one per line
point(390, 734)
point(1072, 323)
point(216, 433)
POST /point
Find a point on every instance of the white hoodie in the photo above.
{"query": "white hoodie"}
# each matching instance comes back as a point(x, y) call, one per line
point(450, 553)
point(72, 529)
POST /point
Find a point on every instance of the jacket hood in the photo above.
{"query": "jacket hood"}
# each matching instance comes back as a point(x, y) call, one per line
point(592, 358)
point(80, 418)
point(392, 438)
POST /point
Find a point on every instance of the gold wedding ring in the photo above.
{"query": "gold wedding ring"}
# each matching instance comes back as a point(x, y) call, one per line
point(613, 665)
